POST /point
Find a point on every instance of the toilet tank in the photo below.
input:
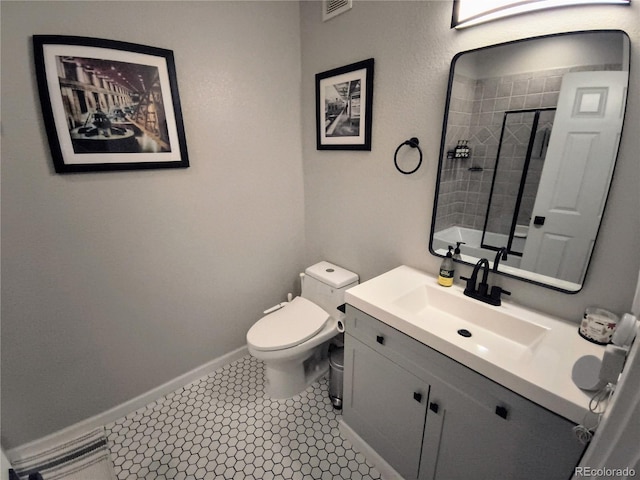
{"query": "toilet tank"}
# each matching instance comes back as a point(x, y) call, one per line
point(325, 283)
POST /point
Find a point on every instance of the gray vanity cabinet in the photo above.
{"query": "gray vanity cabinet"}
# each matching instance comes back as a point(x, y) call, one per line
point(387, 406)
point(431, 418)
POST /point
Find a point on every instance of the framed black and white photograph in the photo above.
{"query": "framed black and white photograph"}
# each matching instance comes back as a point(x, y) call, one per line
point(109, 105)
point(344, 99)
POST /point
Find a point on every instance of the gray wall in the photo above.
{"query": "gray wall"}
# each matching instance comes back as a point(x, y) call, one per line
point(363, 214)
point(116, 283)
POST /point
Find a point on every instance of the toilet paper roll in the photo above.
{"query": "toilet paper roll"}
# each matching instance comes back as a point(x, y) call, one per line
point(340, 326)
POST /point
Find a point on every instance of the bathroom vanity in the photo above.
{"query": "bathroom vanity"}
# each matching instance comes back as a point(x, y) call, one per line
point(441, 386)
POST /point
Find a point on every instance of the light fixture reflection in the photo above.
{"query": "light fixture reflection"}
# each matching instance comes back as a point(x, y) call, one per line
point(472, 12)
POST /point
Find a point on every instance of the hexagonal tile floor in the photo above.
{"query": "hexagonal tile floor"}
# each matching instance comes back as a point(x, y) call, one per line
point(223, 427)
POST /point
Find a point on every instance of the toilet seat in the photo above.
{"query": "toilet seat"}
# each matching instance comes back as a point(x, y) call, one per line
point(293, 324)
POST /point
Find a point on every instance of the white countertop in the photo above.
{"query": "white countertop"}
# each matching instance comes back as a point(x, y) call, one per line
point(540, 373)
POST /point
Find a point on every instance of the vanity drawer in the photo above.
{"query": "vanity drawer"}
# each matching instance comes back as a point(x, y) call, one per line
point(372, 332)
point(395, 345)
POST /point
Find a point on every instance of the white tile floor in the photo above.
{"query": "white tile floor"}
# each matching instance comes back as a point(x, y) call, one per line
point(223, 427)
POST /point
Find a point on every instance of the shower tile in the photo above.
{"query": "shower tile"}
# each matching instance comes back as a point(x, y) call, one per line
point(536, 85)
point(224, 427)
point(552, 84)
point(533, 101)
point(502, 104)
point(504, 88)
point(519, 88)
point(483, 119)
point(517, 102)
point(489, 88)
point(488, 105)
point(549, 99)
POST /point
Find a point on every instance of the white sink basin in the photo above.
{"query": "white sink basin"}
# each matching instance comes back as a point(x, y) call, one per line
point(434, 302)
point(526, 351)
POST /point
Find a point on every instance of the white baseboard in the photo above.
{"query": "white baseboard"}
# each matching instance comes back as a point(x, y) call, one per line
point(387, 472)
point(63, 436)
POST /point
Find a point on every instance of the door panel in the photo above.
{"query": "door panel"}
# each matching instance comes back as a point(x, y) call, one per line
point(479, 434)
point(386, 405)
point(577, 173)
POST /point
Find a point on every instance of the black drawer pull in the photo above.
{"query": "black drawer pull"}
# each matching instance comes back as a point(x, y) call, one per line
point(502, 411)
point(434, 407)
point(380, 339)
point(417, 397)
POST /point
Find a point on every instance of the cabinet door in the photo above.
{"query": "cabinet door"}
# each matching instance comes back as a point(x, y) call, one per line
point(386, 405)
point(475, 434)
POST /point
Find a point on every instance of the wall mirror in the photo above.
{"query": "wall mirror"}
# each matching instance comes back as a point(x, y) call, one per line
point(529, 144)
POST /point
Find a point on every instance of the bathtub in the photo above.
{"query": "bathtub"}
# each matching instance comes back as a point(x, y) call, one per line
point(471, 250)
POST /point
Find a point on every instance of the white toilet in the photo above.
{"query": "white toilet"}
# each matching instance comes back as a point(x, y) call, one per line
point(293, 341)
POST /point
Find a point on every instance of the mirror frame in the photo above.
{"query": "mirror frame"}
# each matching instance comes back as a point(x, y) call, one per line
point(442, 156)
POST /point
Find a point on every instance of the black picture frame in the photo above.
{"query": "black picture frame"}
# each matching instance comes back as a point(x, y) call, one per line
point(344, 102)
point(109, 105)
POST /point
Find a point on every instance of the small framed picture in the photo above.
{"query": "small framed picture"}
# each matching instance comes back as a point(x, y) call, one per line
point(109, 105)
point(344, 99)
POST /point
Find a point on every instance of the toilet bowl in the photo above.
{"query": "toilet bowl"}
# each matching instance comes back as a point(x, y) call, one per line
point(293, 342)
point(293, 347)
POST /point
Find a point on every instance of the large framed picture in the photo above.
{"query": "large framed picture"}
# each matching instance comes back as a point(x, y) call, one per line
point(344, 99)
point(109, 105)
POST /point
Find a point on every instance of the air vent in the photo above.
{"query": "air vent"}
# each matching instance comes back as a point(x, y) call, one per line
point(331, 8)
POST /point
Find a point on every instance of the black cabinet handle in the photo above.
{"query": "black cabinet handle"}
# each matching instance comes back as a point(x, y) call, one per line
point(380, 339)
point(434, 407)
point(417, 397)
point(502, 411)
point(537, 220)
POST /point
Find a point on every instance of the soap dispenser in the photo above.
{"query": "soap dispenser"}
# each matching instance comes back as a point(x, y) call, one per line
point(456, 252)
point(445, 278)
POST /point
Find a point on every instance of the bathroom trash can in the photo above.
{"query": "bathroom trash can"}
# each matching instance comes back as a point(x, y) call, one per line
point(336, 375)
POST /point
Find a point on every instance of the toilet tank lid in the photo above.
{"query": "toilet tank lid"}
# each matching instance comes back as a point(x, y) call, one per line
point(332, 275)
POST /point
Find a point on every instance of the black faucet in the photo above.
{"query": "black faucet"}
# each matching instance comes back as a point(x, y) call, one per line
point(480, 293)
point(483, 264)
point(502, 254)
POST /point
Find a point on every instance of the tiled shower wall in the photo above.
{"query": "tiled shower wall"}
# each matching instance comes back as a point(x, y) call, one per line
point(512, 161)
point(476, 113)
point(454, 192)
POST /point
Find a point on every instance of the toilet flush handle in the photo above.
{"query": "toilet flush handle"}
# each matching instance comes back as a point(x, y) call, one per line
point(280, 305)
point(274, 308)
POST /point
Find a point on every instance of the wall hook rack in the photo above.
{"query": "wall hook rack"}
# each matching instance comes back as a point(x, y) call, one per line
point(413, 143)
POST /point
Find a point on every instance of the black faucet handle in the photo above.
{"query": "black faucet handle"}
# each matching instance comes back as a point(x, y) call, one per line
point(496, 293)
point(471, 284)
